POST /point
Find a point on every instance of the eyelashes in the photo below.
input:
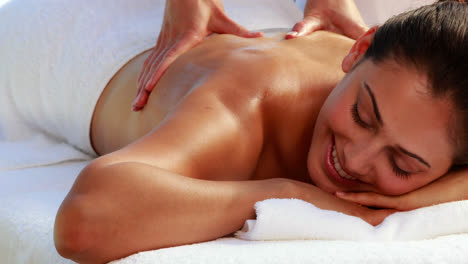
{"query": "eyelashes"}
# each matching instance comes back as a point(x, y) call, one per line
point(357, 119)
point(399, 172)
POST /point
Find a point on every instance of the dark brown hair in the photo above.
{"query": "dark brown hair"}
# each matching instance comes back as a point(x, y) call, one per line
point(434, 40)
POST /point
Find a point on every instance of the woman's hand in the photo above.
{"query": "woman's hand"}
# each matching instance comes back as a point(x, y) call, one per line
point(186, 23)
point(402, 202)
point(327, 201)
point(452, 187)
point(340, 16)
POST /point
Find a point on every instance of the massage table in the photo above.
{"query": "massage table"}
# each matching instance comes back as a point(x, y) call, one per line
point(37, 172)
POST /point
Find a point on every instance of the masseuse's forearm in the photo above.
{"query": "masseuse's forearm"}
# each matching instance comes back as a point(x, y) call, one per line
point(125, 208)
point(311, 5)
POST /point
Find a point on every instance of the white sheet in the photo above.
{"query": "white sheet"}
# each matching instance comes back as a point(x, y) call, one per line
point(445, 250)
point(30, 197)
point(42, 151)
point(29, 200)
point(57, 56)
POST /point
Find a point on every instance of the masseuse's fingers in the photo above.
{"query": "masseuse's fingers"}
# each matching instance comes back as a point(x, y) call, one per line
point(157, 64)
point(335, 23)
point(339, 16)
point(166, 58)
point(305, 27)
point(224, 24)
point(348, 26)
point(221, 24)
point(157, 50)
point(374, 200)
point(160, 47)
point(166, 53)
point(184, 26)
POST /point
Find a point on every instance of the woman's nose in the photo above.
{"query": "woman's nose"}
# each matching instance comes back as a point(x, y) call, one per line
point(358, 158)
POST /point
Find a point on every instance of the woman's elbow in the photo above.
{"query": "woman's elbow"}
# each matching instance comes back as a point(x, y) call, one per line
point(72, 234)
point(76, 227)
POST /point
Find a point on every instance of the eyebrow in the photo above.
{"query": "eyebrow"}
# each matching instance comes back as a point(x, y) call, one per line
point(374, 104)
point(414, 156)
point(379, 119)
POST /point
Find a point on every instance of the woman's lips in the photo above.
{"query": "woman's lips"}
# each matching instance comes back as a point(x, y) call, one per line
point(333, 174)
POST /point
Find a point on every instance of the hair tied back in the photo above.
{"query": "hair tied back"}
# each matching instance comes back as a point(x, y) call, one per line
point(459, 1)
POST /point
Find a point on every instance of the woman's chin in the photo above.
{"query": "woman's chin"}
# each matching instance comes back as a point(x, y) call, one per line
point(321, 182)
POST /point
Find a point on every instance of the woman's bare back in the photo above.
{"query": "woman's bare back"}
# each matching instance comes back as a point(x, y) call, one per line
point(278, 84)
point(115, 125)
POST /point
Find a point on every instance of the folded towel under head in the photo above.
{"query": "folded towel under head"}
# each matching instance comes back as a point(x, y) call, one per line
point(291, 219)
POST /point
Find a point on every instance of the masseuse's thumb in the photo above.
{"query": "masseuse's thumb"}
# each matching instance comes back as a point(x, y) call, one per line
point(351, 28)
point(228, 26)
point(305, 27)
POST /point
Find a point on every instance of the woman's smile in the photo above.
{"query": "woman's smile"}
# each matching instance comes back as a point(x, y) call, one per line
point(335, 171)
point(368, 123)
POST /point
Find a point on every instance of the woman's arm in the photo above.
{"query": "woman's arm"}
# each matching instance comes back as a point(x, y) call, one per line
point(117, 210)
point(451, 187)
point(124, 208)
point(135, 199)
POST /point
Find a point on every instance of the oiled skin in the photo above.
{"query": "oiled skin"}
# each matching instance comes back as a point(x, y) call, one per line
point(281, 83)
point(229, 124)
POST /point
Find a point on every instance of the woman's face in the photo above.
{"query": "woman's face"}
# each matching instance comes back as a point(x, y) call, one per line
point(380, 131)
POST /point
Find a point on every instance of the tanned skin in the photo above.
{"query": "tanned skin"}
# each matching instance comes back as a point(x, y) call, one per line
point(229, 124)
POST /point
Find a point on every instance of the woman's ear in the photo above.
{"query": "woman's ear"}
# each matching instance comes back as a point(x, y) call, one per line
point(359, 48)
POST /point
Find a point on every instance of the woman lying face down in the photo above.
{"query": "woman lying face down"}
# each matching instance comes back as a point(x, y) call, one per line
point(382, 129)
point(257, 119)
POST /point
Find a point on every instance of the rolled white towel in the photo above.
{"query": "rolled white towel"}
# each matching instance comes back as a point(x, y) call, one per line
point(39, 150)
point(293, 219)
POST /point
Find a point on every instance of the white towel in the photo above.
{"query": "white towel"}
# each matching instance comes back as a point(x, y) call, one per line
point(292, 219)
point(29, 200)
point(39, 150)
point(57, 56)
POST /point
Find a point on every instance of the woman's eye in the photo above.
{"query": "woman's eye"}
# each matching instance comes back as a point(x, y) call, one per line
point(357, 119)
point(399, 172)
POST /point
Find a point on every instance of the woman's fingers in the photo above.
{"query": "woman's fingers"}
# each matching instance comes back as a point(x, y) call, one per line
point(371, 199)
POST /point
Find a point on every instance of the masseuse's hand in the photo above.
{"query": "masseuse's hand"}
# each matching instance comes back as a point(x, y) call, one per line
point(452, 187)
point(339, 16)
point(186, 23)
